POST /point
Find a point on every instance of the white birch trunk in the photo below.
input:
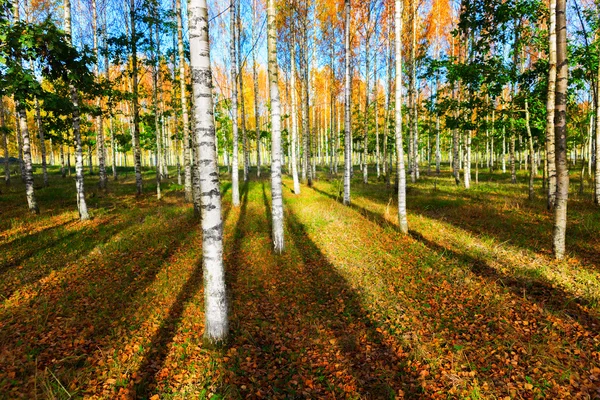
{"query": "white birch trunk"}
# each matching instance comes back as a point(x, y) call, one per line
point(276, 187)
point(402, 218)
point(215, 300)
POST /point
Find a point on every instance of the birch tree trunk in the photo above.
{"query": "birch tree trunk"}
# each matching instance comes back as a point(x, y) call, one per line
point(79, 183)
point(402, 218)
point(4, 144)
point(276, 187)
point(184, 107)
point(100, 148)
point(242, 97)
point(137, 152)
point(255, 77)
point(367, 94)
point(235, 185)
point(294, 117)
point(215, 299)
point(560, 129)
point(155, 67)
point(347, 100)
point(597, 150)
point(38, 117)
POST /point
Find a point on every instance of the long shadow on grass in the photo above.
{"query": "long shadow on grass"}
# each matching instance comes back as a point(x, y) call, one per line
point(535, 290)
point(480, 214)
point(158, 350)
point(378, 218)
point(281, 309)
point(67, 323)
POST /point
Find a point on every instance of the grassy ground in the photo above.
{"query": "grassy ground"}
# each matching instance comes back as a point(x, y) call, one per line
point(469, 305)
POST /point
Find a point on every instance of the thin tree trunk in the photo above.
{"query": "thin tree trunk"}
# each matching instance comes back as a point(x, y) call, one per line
point(38, 117)
point(256, 112)
point(294, 117)
point(348, 99)
point(184, 107)
point(235, 190)
point(560, 127)
point(597, 161)
point(367, 95)
point(215, 296)
point(137, 152)
point(245, 152)
point(4, 143)
point(402, 218)
point(276, 186)
point(157, 128)
point(100, 148)
point(79, 183)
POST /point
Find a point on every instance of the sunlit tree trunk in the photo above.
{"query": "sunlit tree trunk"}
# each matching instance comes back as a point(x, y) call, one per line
point(256, 111)
point(367, 95)
point(276, 187)
point(388, 105)
point(294, 117)
point(187, 167)
point(402, 218)
point(560, 129)
point(79, 183)
point(215, 297)
point(348, 100)
point(245, 152)
point(235, 185)
point(42, 138)
point(137, 152)
point(597, 163)
point(157, 127)
point(100, 147)
point(4, 143)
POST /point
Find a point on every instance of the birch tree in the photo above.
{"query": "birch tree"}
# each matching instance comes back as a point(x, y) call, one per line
point(184, 107)
point(100, 149)
point(560, 130)
point(235, 185)
point(4, 143)
point(294, 116)
point(276, 186)
point(79, 182)
point(402, 219)
point(215, 299)
point(347, 106)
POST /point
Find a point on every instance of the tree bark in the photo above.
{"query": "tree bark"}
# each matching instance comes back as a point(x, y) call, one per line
point(560, 130)
point(4, 143)
point(402, 217)
point(187, 168)
point(276, 187)
point(294, 117)
point(137, 152)
point(348, 100)
point(235, 185)
point(255, 77)
point(100, 147)
point(215, 298)
point(38, 117)
point(79, 182)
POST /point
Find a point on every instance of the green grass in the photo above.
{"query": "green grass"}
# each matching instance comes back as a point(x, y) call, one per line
point(469, 305)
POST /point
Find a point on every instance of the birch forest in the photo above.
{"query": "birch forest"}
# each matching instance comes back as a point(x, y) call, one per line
point(282, 199)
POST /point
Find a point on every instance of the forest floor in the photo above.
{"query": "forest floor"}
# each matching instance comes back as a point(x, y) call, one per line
point(469, 305)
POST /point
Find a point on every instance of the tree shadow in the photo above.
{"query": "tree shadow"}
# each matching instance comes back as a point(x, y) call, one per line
point(366, 213)
point(536, 291)
point(158, 349)
point(66, 323)
point(299, 329)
